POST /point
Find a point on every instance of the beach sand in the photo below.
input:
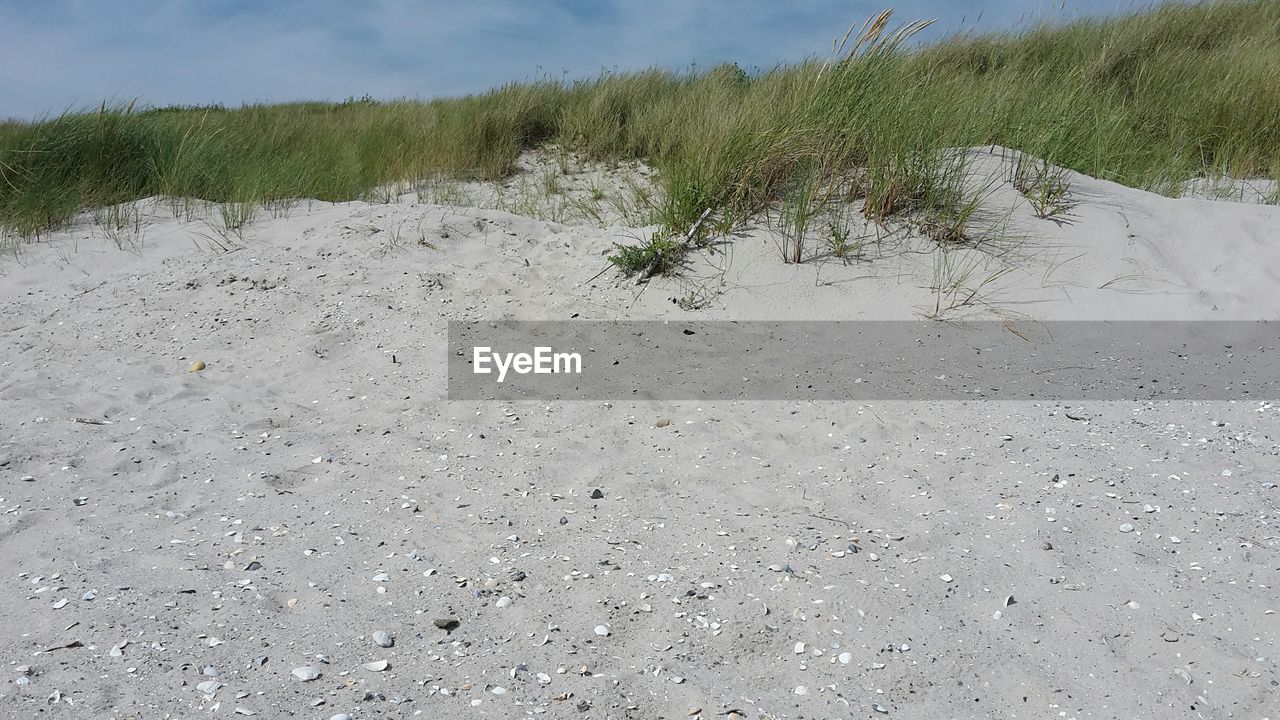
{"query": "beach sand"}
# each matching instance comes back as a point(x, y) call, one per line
point(311, 485)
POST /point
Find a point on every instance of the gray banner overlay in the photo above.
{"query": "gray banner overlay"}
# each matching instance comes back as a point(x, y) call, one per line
point(860, 360)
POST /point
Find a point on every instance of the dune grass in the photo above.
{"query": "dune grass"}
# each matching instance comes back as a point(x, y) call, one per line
point(1150, 100)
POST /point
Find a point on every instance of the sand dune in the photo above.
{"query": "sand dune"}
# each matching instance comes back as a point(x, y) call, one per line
point(164, 528)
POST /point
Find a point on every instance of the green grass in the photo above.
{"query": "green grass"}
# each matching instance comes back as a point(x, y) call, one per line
point(1149, 100)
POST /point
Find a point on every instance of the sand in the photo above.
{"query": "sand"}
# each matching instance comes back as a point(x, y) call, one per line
point(164, 532)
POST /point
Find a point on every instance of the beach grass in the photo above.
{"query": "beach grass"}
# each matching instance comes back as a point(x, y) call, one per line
point(1150, 99)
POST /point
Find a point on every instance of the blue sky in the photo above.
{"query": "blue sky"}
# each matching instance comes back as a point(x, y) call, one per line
point(60, 54)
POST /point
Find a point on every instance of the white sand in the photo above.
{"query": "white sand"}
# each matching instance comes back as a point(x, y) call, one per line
point(317, 443)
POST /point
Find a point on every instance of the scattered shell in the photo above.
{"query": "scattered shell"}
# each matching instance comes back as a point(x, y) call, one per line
point(376, 665)
point(945, 578)
point(1126, 528)
point(880, 708)
point(341, 716)
point(503, 602)
point(801, 690)
point(799, 648)
point(196, 366)
point(846, 658)
point(306, 673)
point(602, 631)
point(209, 687)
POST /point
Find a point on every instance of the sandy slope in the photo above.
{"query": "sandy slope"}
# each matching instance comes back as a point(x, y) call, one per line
point(311, 487)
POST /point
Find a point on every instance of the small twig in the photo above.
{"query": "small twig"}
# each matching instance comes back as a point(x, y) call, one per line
point(846, 523)
point(684, 245)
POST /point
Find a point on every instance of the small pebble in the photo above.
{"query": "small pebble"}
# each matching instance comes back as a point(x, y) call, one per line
point(382, 638)
point(602, 631)
point(196, 366)
point(1126, 528)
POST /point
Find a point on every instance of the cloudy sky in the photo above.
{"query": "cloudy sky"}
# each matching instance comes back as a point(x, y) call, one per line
point(60, 54)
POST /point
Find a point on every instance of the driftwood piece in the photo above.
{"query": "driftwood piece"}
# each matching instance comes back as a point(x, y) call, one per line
point(684, 245)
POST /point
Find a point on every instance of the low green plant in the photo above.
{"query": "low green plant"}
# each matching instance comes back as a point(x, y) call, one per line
point(1043, 185)
point(658, 255)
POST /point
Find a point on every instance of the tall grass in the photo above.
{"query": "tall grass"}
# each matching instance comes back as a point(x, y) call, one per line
point(1150, 99)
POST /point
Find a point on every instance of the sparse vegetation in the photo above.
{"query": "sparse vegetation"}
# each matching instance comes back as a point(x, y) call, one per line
point(657, 255)
point(1043, 185)
point(121, 224)
point(1150, 100)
